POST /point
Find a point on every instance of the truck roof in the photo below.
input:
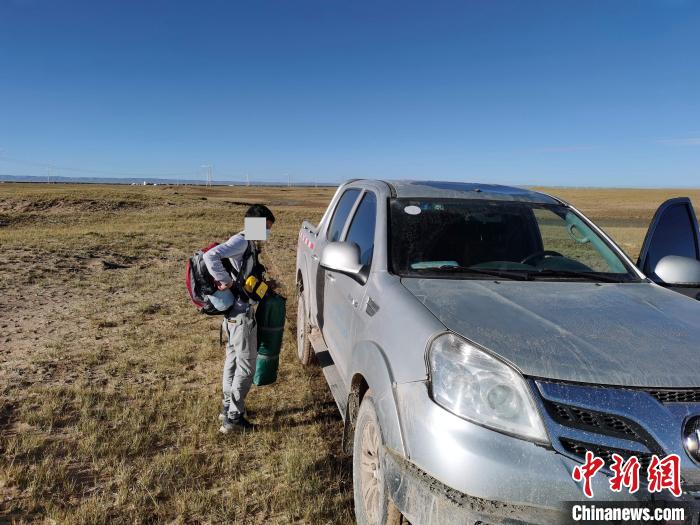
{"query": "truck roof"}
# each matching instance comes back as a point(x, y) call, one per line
point(465, 190)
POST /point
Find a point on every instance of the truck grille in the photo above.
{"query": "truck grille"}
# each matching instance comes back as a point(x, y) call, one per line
point(676, 396)
point(609, 420)
point(578, 448)
point(592, 421)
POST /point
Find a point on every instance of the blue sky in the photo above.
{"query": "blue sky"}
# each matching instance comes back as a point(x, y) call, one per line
point(557, 93)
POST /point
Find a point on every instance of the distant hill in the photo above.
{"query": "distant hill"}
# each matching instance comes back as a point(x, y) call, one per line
point(148, 180)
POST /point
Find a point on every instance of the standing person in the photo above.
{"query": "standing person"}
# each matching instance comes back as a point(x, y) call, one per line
point(239, 321)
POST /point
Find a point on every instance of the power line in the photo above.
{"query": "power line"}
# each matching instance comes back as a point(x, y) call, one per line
point(87, 170)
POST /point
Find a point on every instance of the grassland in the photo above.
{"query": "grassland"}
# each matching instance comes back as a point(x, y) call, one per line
point(109, 380)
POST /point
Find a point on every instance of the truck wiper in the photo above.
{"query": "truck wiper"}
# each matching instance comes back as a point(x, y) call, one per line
point(591, 276)
point(481, 271)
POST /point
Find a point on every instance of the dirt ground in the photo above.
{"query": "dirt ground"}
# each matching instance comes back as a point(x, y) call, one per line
point(109, 379)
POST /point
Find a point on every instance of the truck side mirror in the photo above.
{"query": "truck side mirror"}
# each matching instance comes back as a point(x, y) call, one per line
point(679, 271)
point(344, 257)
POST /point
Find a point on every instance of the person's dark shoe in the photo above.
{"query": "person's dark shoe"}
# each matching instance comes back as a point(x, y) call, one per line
point(235, 425)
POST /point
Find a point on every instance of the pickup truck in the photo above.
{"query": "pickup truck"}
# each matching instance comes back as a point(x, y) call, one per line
point(480, 339)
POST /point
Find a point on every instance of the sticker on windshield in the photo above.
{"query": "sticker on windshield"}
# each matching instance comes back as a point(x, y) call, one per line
point(412, 210)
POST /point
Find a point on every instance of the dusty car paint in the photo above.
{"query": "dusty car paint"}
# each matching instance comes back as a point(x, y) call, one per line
point(632, 334)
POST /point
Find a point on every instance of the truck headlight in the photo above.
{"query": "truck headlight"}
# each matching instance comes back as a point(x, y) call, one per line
point(476, 386)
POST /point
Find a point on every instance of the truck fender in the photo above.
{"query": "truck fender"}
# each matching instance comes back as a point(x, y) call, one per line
point(370, 369)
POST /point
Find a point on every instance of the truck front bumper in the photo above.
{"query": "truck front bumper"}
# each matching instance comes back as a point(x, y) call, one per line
point(424, 500)
point(453, 467)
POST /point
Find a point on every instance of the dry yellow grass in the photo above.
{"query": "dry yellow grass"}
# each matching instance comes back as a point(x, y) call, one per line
point(109, 380)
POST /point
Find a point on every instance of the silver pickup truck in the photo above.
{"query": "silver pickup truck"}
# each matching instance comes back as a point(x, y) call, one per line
point(479, 339)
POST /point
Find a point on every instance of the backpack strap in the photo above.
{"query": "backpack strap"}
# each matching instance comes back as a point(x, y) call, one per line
point(240, 276)
point(250, 248)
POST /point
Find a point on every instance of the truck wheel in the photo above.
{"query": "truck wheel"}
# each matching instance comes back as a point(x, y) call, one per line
point(304, 350)
point(372, 503)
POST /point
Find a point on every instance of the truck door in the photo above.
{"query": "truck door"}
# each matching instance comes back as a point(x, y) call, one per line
point(336, 227)
point(344, 294)
point(673, 231)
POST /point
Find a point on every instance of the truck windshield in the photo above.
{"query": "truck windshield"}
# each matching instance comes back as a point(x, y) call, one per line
point(487, 239)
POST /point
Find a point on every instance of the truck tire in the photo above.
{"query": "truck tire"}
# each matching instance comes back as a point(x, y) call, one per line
point(372, 503)
point(304, 350)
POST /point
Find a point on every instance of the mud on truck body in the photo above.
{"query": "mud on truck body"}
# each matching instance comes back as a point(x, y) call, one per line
point(478, 339)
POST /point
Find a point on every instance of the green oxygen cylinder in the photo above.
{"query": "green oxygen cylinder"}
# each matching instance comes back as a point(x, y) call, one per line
point(270, 317)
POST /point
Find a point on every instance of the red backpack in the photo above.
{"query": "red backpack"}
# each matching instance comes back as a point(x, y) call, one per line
point(200, 283)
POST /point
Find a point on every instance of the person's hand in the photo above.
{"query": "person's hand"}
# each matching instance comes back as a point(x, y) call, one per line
point(223, 286)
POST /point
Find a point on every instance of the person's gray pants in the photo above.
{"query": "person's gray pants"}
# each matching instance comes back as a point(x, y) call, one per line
point(239, 366)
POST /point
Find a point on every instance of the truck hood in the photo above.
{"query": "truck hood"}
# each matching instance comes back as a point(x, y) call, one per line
point(634, 334)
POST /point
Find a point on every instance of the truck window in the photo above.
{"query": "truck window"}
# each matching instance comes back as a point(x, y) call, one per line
point(361, 230)
point(570, 237)
point(439, 237)
point(340, 214)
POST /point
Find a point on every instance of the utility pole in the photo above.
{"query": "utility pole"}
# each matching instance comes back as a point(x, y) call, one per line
point(289, 180)
point(247, 179)
point(48, 174)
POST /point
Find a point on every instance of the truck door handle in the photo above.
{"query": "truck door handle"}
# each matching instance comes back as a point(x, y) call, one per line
point(353, 302)
point(314, 257)
point(330, 277)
